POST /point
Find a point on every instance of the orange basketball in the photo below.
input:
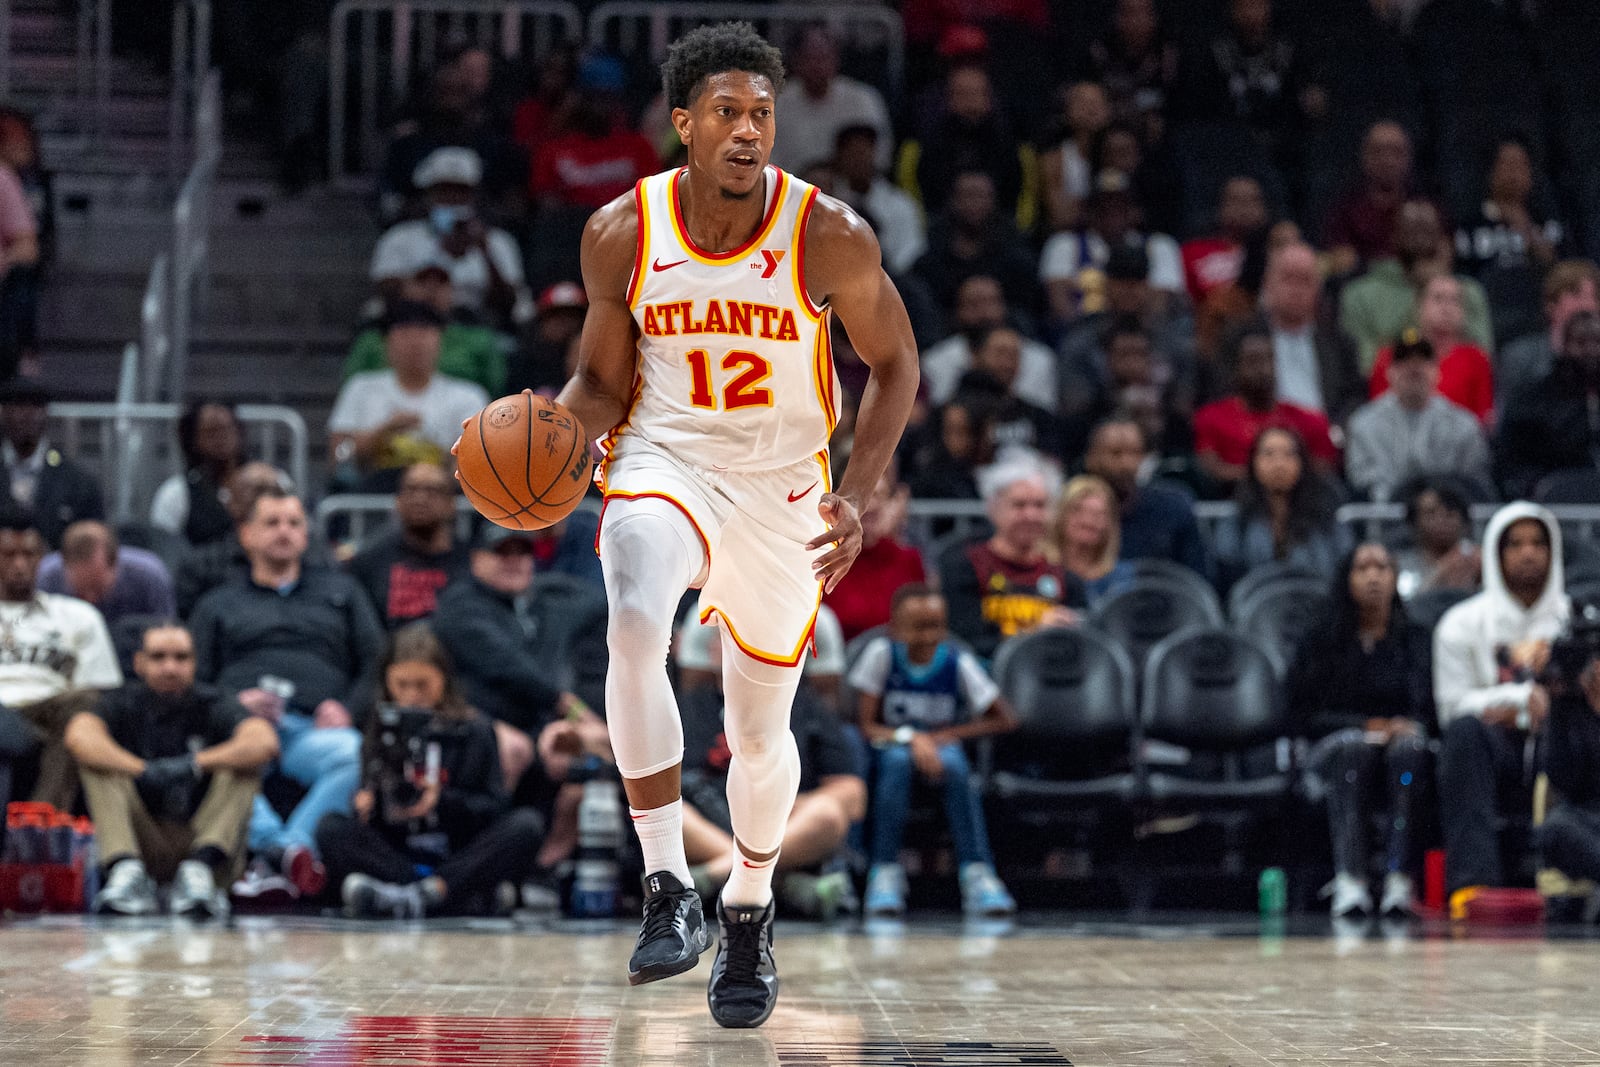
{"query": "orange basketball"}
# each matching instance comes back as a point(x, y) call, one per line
point(523, 462)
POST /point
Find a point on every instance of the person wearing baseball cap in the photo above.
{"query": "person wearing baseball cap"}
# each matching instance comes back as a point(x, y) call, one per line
point(468, 349)
point(542, 363)
point(484, 263)
point(600, 156)
point(1412, 431)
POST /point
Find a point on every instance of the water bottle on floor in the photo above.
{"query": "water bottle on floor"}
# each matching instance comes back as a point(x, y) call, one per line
point(597, 871)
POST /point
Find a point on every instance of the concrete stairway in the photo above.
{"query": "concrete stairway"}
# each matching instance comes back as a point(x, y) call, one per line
point(287, 275)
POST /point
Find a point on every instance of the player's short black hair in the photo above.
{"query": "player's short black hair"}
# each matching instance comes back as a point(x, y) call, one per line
point(708, 50)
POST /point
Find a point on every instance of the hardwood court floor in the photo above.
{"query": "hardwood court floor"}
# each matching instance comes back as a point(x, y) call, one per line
point(287, 993)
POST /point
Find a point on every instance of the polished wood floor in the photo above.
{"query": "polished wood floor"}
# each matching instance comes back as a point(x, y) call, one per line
point(288, 993)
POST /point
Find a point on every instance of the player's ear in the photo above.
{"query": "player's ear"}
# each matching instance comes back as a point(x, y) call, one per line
point(680, 122)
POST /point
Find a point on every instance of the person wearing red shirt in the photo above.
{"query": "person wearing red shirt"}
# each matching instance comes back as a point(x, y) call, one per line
point(1465, 375)
point(862, 599)
point(1225, 429)
point(1212, 263)
point(598, 158)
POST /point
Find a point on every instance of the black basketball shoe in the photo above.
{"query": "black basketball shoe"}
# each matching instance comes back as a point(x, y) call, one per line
point(674, 932)
point(744, 978)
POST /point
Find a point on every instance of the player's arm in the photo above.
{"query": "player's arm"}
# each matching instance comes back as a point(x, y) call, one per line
point(845, 268)
point(600, 390)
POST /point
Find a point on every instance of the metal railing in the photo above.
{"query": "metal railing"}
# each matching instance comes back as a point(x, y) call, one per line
point(191, 229)
point(361, 514)
point(134, 446)
point(191, 63)
point(643, 29)
point(385, 44)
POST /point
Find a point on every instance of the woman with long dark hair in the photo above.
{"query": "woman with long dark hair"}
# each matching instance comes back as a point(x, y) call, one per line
point(191, 503)
point(435, 834)
point(1361, 690)
point(1286, 511)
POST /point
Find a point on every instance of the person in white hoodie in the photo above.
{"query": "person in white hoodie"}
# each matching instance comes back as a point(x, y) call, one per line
point(1487, 652)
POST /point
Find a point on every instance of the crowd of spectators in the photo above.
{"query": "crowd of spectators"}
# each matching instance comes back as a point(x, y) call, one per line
point(1175, 259)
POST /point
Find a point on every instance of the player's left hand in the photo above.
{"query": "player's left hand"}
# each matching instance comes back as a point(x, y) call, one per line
point(844, 533)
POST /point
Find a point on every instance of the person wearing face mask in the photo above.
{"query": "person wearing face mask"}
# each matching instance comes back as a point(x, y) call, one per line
point(1411, 430)
point(1286, 512)
point(1554, 423)
point(484, 262)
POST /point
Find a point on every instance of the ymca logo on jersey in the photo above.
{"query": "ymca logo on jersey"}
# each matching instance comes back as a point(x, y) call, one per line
point(768, 263)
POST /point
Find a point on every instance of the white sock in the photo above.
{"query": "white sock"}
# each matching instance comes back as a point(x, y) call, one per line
point(660, 833)
point(750, 884)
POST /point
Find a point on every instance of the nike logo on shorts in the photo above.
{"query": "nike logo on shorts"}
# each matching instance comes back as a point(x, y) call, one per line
point(796, 496)
point(659, 266)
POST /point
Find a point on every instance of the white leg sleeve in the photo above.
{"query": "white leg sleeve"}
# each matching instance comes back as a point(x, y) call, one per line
point(764, 775)
point(650, 554)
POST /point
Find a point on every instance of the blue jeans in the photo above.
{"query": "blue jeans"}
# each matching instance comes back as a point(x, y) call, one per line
point(327, 763)
point(891, 804)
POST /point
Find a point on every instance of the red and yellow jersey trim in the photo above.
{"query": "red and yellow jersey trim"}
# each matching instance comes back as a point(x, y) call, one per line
point(798, 260)
point(705, 543)
point(642, 245)
point(822, 372)
point(763, 231)
point(773, 658)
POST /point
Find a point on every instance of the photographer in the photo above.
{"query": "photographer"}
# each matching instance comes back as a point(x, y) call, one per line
point(433, 829)
point(1487, 652)
point(1570, 836)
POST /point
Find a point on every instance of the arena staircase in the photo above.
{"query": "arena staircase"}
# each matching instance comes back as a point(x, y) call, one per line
point(287, 274)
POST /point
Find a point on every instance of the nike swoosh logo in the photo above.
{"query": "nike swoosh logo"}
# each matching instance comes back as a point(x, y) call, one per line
point(659, 266)
point(796, 496)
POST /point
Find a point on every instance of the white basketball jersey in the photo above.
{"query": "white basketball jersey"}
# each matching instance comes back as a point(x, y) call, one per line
point(735, 366)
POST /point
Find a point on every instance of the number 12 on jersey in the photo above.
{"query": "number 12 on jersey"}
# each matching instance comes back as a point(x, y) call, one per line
point(743, 390)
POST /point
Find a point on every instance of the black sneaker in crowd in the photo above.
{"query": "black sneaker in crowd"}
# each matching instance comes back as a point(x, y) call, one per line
point(744, 978)
point(674, 931)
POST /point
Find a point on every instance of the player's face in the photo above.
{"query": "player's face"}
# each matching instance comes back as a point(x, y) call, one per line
point(728, 130)
point(920, 623)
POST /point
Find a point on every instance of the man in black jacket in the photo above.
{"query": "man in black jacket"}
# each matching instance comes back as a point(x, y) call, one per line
point(1550, 425)
point(299, 646)
point(170, 770)
point(487, 625)
point(37, 476)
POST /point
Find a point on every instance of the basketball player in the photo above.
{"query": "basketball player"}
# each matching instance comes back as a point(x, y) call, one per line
point(706, 352)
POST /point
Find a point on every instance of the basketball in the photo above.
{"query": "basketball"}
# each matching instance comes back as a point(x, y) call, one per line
point(523, 462)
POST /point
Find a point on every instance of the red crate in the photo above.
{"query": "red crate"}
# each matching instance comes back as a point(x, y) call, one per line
point(36, 887)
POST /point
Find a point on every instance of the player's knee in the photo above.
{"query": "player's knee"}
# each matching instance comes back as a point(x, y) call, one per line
point(762, 750)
